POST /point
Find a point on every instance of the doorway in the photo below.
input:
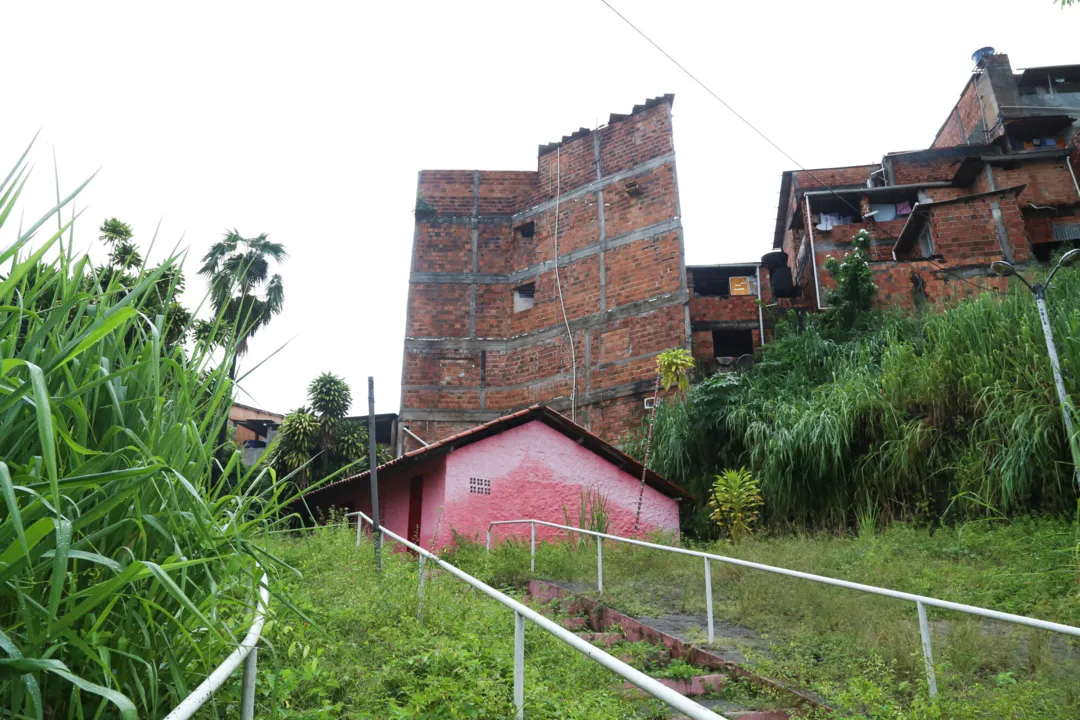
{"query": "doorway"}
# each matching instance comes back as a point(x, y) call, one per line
point(416, 507)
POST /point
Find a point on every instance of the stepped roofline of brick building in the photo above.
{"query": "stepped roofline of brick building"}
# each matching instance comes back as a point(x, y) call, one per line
point(492, 328)
point(558, 285)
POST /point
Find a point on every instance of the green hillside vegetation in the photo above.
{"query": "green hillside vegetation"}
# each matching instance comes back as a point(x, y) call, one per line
point(375, 650)
point(886, 416)
point(126, 560)
point(860, 653)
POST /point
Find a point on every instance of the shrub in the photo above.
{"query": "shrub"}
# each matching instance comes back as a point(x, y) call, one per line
point(898, 416)
point(734, 502)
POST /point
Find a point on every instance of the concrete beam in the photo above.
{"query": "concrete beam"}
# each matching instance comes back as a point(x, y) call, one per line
point(705, 325)
point(641, 307)
point(597, 185)
point(640, 387)
point(519, 276)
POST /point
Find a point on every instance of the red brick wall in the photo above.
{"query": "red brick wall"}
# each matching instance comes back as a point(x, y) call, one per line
point(834, 177)
point(1048, 182)
point(942, 286)
point(919, 169)
point(469, 357)
point(1040, 228)
point(643, 269)
point(438, 310)
point(443, 248)
point(963, 119)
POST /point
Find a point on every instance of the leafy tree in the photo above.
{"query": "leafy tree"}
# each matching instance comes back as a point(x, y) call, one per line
point(855, 288)
point(123, 253)
point(243, 293)
point(319, 437)
point(123, 272)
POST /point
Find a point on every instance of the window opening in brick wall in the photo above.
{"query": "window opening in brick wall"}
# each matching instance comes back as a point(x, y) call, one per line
point(524, 297)
point(725, 281)
point(526, 230)
point(926, 241)
point(479, 486)
point(732, 343)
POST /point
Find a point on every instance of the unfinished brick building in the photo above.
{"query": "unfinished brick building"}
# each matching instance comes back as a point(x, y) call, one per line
point(486, 330)
point(996, 183)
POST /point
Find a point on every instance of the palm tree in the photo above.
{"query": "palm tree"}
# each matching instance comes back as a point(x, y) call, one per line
point(242, 292)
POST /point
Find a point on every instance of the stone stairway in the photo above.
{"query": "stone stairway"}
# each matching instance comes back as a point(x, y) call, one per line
point(711, 681)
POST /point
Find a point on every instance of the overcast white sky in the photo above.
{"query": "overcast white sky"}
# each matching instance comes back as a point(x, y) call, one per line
point(309, 121)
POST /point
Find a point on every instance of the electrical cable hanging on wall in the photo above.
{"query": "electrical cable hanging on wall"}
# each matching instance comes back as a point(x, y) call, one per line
point(558, 285)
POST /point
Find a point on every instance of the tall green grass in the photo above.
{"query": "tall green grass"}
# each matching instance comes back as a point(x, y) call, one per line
point(126, 571)
point(910, 416)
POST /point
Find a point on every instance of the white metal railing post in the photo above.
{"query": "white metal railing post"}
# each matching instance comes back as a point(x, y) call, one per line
point(247, 699)
point(928, 654)
point(532, 547)
point(489, 538)
point(600, 565)
point(627, 672)
point(420, 588)
point(922, 601)
point(359, 529)
point(519, 665)
point(244, 653)
point(708, 599)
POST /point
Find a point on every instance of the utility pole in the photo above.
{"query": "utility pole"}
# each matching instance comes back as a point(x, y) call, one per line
point(373, 475)
point(1006, 269)
point(1059, 383)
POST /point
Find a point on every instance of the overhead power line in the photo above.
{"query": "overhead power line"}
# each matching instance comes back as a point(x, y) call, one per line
point(769, 140)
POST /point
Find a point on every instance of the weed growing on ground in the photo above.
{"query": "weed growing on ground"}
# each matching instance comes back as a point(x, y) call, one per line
point(366, 655)
point(861, 652)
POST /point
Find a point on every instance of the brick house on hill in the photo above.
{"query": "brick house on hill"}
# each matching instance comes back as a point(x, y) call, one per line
point(998, 182)
point(486, 331)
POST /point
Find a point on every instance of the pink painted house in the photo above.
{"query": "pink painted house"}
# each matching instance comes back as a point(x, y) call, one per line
point(530, 464)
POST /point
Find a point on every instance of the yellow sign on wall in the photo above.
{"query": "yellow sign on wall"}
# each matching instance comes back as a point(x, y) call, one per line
point(740, 286)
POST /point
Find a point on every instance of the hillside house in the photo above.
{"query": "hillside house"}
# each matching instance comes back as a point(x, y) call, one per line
point(533, 464)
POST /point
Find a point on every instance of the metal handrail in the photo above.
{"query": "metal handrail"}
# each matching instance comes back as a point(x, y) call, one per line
point(247, 653)
point(523, 612)
point(921, 601)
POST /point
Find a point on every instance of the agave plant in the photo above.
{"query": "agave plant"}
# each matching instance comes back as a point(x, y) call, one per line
point(734, 501)
point(126, 561)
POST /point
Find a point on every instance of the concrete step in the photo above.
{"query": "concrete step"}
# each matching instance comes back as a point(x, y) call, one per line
point(574, 623)
point(604, 639)
point(690, 687)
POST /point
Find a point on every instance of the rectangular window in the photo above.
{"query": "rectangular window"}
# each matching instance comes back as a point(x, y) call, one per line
point(479, 486)
point(732, 343)
point(524, 297)
point(526, 230)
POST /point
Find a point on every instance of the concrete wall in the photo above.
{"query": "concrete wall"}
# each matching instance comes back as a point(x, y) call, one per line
point(469, 358)
point(534, 471)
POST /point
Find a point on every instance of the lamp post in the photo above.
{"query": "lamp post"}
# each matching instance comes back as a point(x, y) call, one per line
point(1006, 269)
